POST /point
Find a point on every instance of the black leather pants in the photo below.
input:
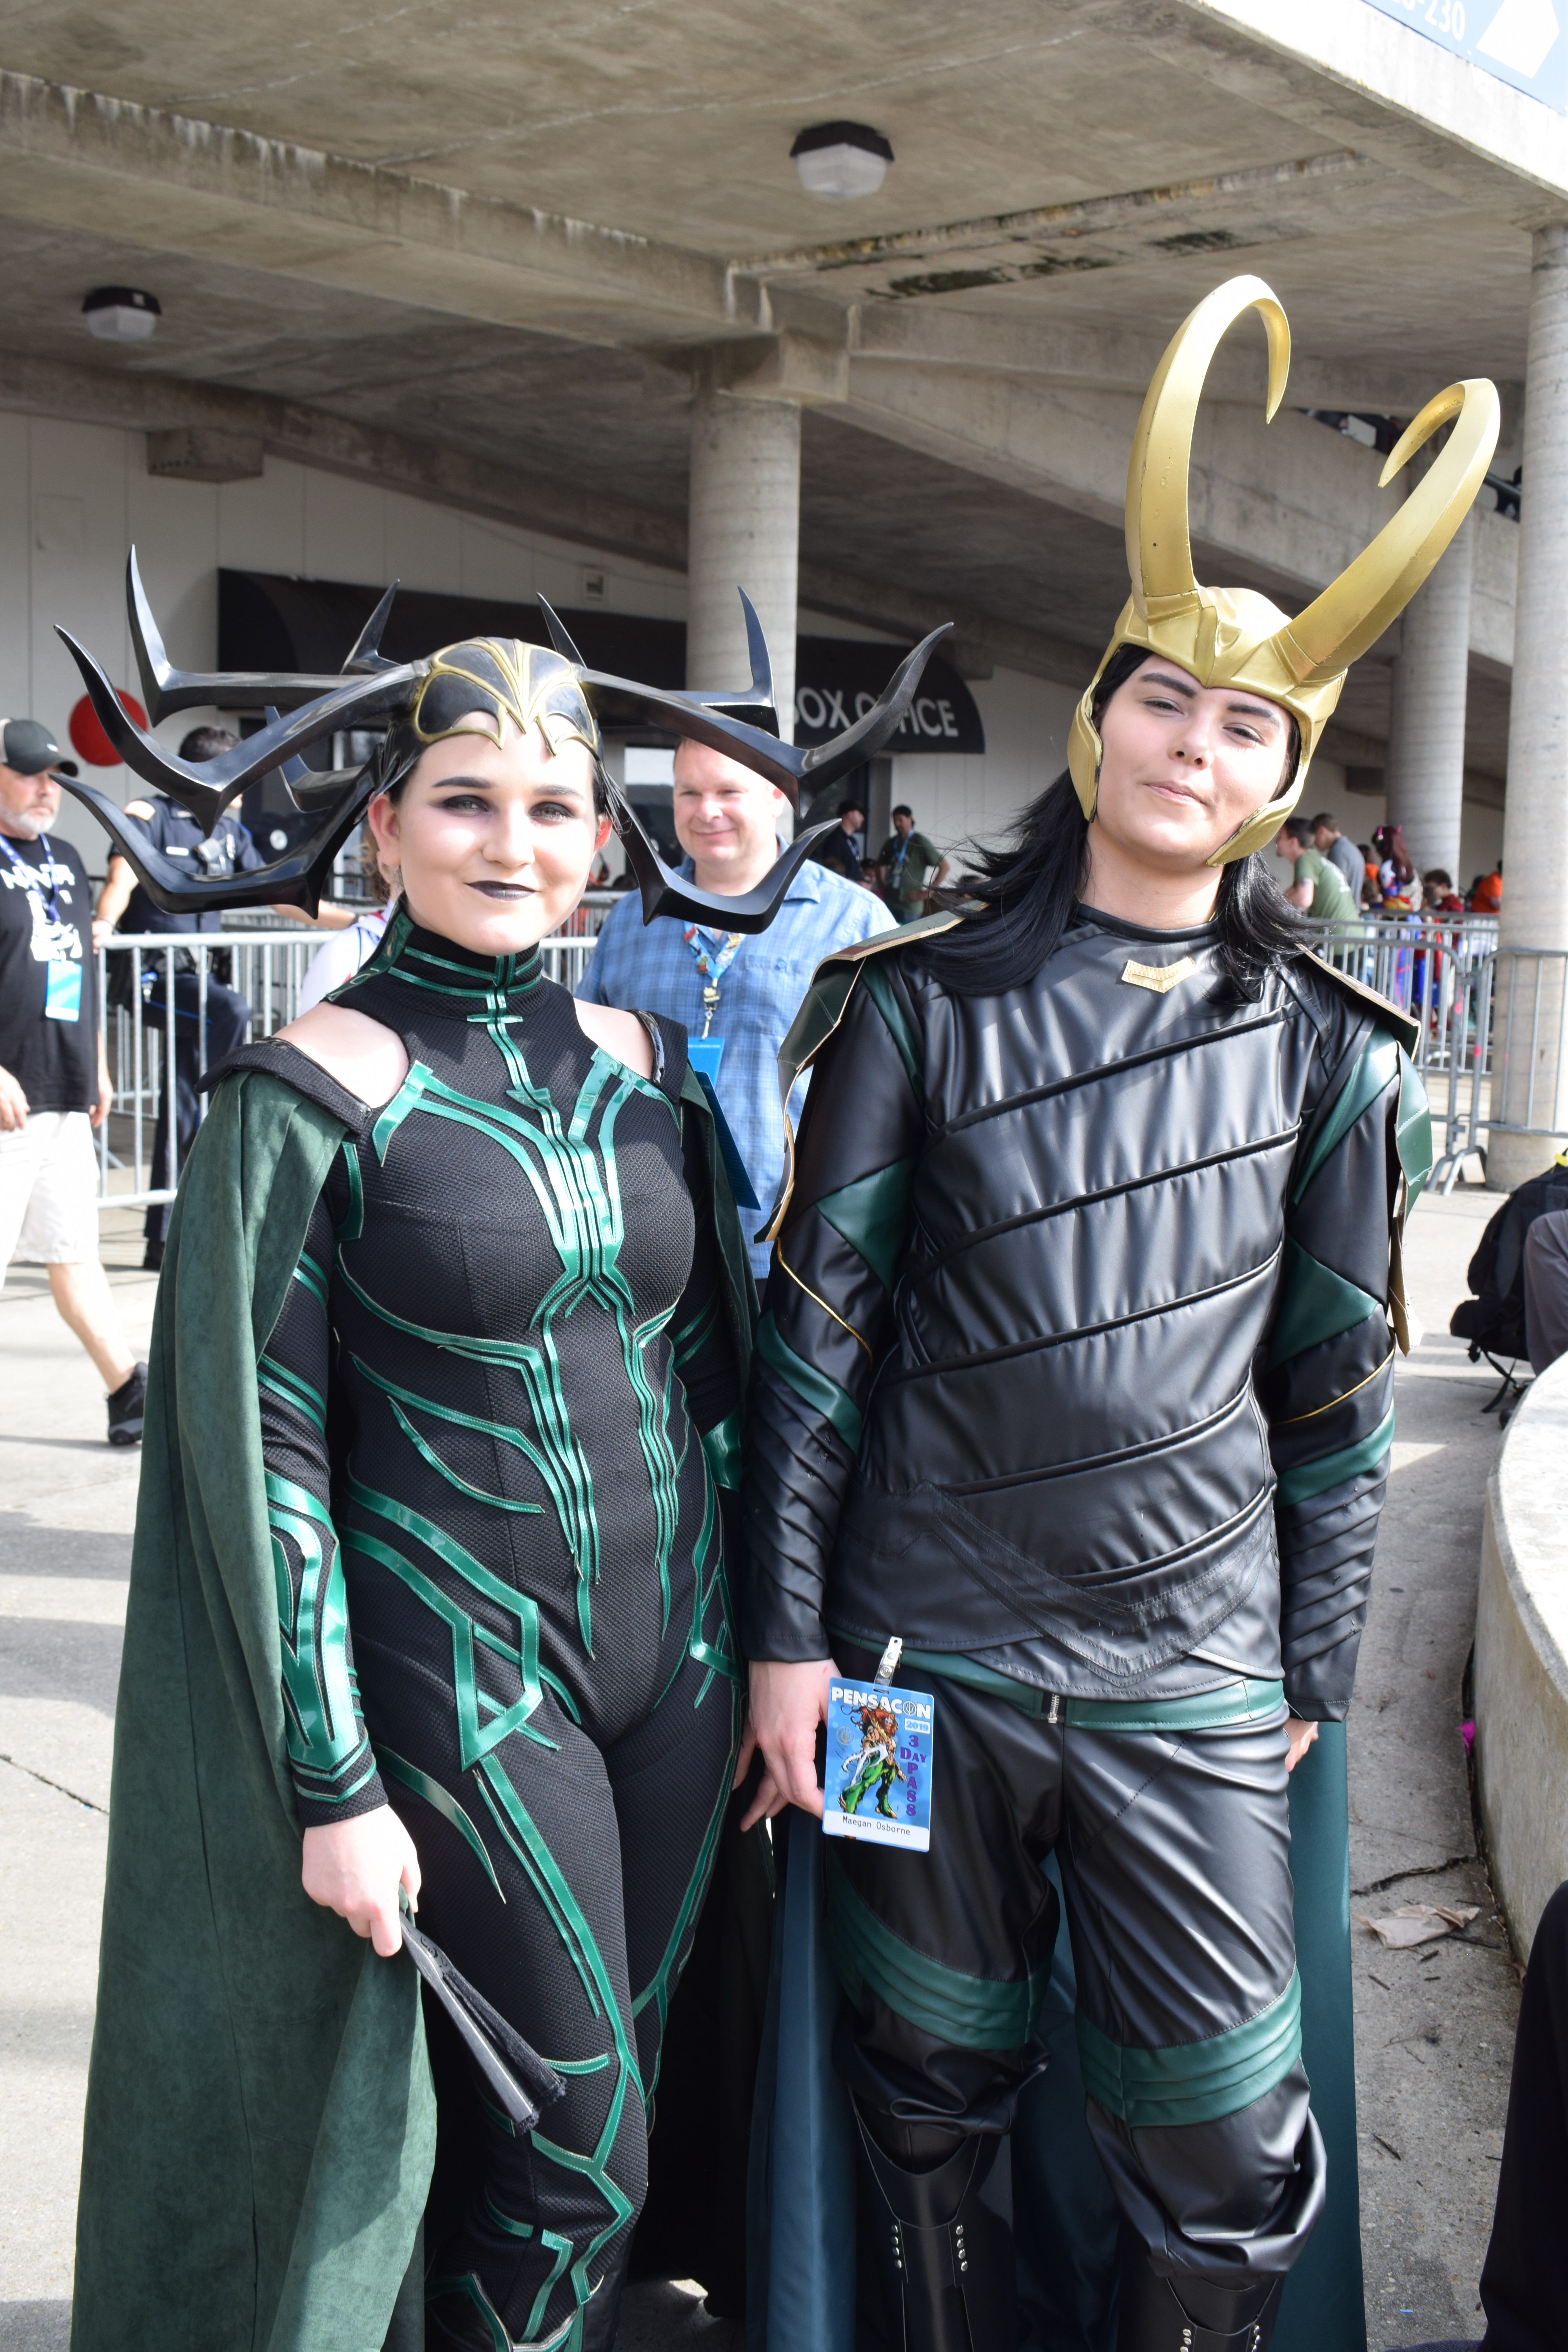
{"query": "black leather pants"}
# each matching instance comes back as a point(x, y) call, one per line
point(1174, 1847)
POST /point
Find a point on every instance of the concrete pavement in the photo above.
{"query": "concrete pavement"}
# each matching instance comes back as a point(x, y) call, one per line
point(1433, 2029)
point(1433, 2026)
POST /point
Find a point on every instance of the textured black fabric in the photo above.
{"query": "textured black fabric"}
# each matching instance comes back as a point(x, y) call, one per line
point(475, 1367)
point(1175, 1858)
point(1013, 1394)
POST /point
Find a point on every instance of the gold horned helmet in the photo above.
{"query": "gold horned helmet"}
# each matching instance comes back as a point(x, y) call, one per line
point(1233, 636)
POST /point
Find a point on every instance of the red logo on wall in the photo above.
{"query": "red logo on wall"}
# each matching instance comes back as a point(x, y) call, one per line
point(86, 729)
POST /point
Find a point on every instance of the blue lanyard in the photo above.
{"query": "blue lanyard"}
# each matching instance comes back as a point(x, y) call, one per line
point(713, 963)
point(31, 878)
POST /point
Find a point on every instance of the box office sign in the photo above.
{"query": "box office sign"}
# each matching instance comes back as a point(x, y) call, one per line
point(838, 679)
point(267, 622)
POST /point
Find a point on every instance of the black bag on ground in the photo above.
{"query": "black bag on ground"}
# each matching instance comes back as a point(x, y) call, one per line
point(1493, 1316)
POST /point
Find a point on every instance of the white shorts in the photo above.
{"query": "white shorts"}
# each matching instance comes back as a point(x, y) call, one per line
point(49, 1191)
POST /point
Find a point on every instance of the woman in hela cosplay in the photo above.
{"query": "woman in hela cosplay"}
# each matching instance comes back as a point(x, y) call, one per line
point(1075, 1377)
point(429, 1607)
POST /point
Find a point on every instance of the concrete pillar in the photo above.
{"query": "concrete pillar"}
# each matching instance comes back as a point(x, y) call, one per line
point(1535, 820)
point(1425, 775)
point(744, 532)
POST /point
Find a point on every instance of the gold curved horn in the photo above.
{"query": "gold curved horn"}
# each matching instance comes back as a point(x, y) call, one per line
point(1351, 613)
point(1159, 550)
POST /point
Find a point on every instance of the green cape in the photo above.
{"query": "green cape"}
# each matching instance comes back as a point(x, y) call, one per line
point(260, 2121)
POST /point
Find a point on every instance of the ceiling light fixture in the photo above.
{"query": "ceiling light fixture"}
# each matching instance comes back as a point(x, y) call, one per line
point(841, 158)
point(121, 314)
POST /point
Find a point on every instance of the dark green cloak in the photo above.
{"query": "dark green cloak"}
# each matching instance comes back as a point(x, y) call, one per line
point(260, 2120)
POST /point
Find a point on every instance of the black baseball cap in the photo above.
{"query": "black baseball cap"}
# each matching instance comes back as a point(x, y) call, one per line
point(27, 746)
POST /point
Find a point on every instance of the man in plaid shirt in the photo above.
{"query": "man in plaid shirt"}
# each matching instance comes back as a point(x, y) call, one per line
point(744, 990)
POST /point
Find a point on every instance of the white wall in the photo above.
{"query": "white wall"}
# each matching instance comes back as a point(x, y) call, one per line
point(74, 497)
point(959, 796)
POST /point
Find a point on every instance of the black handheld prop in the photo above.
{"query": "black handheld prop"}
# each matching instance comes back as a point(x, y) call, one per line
point(525, 2084)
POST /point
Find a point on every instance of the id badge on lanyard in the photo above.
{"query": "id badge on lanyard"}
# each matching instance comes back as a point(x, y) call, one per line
point(63, 992)
point(877, 1785)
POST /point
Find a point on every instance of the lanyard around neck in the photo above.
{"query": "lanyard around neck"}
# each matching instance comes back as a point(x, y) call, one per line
point(31, 878)
point(713, 963)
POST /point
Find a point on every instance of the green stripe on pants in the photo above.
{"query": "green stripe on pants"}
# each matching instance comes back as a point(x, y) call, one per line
point(1193, 2081)
point(970, 2013)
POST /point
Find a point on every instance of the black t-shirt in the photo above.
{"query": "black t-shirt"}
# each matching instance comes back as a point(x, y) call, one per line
point(229, 850)
point(56, 1061)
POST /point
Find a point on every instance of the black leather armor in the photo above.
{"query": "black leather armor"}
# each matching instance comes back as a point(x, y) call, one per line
point(1078, 1360)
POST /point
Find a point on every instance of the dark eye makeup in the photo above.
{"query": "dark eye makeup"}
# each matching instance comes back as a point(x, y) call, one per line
point(464, 794)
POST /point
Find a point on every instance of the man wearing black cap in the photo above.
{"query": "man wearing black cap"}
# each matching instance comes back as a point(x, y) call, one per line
point(54, 1078)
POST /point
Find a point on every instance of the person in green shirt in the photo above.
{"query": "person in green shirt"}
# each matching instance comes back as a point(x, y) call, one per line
point(904, 861)
point(1317, 885)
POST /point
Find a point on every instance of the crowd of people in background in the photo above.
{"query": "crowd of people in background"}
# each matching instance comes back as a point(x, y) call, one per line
point(1335, 879)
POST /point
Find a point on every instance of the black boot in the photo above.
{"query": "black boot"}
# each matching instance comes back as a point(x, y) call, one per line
point(1189, 2315)
point(944, 2261)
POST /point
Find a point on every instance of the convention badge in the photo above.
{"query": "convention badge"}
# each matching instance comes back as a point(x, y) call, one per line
point(878, 1780)
point(63, 992)
point(704, 1055)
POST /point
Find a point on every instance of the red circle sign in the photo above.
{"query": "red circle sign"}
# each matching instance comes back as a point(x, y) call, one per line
point(87, 730)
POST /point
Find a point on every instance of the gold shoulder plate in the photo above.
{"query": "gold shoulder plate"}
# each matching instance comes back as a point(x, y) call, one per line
point(881, 941)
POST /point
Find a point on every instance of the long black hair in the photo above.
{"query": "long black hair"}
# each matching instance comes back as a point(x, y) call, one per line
point(1020, 899)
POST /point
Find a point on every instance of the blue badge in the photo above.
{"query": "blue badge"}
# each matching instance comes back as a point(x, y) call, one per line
point(63, 992)
point(878, 1780)
point(704, 1055)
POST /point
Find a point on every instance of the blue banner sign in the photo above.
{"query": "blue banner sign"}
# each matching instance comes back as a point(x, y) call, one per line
point(1524, 42)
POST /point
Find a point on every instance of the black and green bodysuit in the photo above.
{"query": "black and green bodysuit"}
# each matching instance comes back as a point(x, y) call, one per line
point(499, 1417)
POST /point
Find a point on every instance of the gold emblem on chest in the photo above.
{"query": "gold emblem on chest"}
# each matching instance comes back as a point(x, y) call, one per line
point(1160, 978)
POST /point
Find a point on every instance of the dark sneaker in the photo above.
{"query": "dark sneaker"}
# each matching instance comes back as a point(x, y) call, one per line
point(126, 1407)
point(152, 1257)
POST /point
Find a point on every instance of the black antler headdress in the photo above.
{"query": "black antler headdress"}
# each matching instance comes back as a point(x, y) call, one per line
point(418, 703)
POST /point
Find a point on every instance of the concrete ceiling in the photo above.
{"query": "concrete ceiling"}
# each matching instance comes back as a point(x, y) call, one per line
point(494, 239)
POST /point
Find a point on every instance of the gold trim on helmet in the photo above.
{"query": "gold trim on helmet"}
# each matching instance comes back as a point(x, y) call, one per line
point(538, 687)
point(1233, 636)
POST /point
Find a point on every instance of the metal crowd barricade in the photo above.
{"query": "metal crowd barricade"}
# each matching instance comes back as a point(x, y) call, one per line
point(1493, 1044)
point(265, 964)
point(1442, 971)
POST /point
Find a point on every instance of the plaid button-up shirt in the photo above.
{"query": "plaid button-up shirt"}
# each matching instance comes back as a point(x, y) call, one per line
point(651, 969)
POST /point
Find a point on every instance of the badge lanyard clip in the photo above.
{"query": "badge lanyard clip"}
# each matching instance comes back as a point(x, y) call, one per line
point(711, 966)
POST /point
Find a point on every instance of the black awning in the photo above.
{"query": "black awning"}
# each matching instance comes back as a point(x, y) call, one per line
point(270, 621)
point(837, 680)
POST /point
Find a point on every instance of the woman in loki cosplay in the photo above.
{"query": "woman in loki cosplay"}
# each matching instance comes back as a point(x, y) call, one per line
point(430, 1602)
point(1076, 1376)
